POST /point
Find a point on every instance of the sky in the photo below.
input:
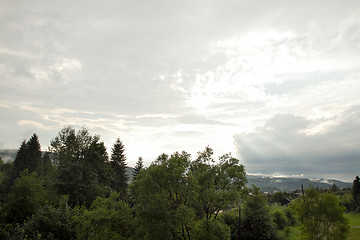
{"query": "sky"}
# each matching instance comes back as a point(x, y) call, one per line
point(276, 83)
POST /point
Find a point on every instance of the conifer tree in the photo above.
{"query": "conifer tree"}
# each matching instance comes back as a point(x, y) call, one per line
point(28, 155)
point(21, 159)
point(356, 191)
point(118, 165)
point(139, 165)
point(34, 149)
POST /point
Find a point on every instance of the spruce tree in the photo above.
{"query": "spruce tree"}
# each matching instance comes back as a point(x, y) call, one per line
point(139, 165)
point(356, 191)
point(28, 155)
point(21, 159)
point(34, 149)
point(118, 165)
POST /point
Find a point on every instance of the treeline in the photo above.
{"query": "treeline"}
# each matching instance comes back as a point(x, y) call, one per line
point(76, 191)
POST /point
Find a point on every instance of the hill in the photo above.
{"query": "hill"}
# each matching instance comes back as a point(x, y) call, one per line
point(280, 184)
point(8, 154)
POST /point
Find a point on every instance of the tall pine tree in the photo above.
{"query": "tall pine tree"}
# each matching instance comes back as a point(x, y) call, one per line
point(28, 155)
point(118, 165)
point(34, 149)
point(356, 191)
point(21, 159)
point(139, 165)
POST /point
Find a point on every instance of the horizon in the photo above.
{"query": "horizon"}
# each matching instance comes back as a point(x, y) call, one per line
point(256, 174)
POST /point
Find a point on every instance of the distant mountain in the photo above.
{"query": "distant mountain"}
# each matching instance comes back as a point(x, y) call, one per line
point(129, 172)
point(273, 184)
point(8, 154)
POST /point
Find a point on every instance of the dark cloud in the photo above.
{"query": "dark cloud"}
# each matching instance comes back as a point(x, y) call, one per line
point(293, 145)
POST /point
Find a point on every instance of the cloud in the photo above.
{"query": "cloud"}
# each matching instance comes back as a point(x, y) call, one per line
point(154, 71)
point(38, 125)
point(290, 144)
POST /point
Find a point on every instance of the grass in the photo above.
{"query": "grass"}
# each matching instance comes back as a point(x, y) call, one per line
point(354, 220)
point(294, 233)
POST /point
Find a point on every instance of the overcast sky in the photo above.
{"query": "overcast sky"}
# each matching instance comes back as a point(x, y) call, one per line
point(276, 83)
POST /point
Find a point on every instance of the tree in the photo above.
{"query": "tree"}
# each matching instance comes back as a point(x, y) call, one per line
point(108, 218)
point(21, 159)
point(139, 165)
point(219, 185)
point(321, 216)
point(257, 223)
point(51, 222)
point(35, 154)
point(26, 196)
point(28, 155)
point(7, 178)
point(334, 188)
point(176, 198)
point(213, 230)
point(356, 191)
point(82, 165)
point(118, 165)
point(161, 196)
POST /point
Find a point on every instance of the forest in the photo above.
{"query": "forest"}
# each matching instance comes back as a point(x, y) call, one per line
point(75, 190)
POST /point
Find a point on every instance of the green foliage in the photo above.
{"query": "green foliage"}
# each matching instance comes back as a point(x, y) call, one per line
point(346, 199)
point(321, 216)
point(118, 165)
point(356, 192)
point(82, 165)
point(258, 223)
point(28, 155)
point(218, 185)
point(161, 196)
point(26, 196)
point(139, 165)
point(280, 219)
point(212, 230)
point(176, 198)
point(231, 219)
point(354, 222)
point(6, 178)
point(278, 196)
point(51, 222)
point(334, 188)
point(108, 218)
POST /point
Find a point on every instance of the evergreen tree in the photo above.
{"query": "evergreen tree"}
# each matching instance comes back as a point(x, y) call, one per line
point(356, 191)
point(118, 165)
point(34, 149)
point(334, 188)
point(258, 224)
point(21, 159)
point(139, 165)
point(28, 155)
